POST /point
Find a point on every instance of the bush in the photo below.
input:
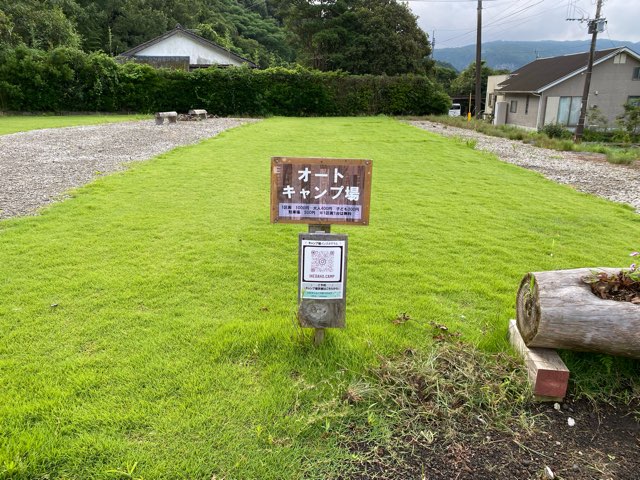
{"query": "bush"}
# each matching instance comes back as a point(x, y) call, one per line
point(66, 79)
point(623, 157)
point(591, 135)
point(556, 130)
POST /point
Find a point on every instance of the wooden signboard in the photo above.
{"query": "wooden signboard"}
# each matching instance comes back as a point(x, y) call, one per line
point(320, 191)
point(322, 284)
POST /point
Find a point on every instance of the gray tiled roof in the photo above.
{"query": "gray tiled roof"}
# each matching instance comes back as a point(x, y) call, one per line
point(544, 71)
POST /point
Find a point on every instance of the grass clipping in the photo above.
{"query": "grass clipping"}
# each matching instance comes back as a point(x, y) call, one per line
point(433, 405)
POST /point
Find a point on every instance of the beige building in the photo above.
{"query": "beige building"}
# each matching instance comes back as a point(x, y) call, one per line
point(493, 97)
point(549, 90)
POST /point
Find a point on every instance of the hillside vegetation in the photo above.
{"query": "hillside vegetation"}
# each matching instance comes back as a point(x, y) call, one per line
point(358, 36)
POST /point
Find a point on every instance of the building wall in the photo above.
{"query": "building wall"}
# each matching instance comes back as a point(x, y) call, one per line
point(551, 110)
point(492, 97)
point(523, 117)
point(176, 63)
point(611, 85)
point(183, 46)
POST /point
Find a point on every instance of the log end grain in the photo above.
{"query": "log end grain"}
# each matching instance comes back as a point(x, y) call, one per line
point(528, 308)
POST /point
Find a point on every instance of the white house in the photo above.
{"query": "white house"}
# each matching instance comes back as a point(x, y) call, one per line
point(180, 48)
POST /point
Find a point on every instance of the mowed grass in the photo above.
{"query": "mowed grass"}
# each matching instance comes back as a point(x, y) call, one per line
point(23, 123)
point(147, 324)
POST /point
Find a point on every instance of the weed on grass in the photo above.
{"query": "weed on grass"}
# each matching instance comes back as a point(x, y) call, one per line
point(434, 402)
point(456, 412)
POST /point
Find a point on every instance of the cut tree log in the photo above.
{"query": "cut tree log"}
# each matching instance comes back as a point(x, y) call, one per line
point(548, 375)
point(556, 309)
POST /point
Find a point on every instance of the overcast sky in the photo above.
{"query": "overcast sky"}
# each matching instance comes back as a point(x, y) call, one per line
point(454, 22)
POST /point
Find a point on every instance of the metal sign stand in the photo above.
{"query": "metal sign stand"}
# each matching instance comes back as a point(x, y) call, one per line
point(322, 280)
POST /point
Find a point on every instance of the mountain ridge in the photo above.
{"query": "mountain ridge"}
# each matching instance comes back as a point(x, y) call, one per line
point(508, 54)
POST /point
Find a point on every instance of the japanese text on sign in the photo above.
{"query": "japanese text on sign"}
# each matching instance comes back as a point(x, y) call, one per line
point(309, 190)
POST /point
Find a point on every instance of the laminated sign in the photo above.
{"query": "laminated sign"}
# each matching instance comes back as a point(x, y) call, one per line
point(322, 280)
point(322, 272)
point(320, 190)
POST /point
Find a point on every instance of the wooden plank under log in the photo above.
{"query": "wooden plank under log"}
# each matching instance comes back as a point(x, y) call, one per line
point(547, 373)
point(556, 309)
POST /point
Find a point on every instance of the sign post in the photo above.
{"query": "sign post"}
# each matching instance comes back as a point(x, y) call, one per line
point(321, 192)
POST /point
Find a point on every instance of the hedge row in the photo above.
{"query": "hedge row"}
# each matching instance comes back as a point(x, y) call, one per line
point(66, 79)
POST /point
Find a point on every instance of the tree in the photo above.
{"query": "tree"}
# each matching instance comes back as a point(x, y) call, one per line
point(444, 73)
point(357, 36)
point(465, 83)
point(630, 119)
point(44, 24)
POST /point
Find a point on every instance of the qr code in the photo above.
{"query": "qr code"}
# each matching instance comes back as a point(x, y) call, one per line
point(322, 261)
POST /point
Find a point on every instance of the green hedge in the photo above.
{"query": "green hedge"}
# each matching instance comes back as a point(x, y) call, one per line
point(66, 79)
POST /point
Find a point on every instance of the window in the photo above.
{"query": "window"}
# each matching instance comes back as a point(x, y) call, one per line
point(526, 106)
point(490, 100)
point(569, 111)
point(620, 58)
point(636, 73)
point(514, 106)
point(633, 100)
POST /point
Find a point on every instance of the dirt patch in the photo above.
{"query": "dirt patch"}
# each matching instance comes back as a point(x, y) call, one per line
point(604, 443)
point(462, 414)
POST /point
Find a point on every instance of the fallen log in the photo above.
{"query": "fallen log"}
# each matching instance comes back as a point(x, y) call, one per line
point(556, 309)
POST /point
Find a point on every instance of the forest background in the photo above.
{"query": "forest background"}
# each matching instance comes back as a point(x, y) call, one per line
point(378, 37)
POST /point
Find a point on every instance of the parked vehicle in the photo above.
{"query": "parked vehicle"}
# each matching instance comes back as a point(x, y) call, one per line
point(455, 110)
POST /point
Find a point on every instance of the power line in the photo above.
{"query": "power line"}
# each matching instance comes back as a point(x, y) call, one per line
point(500, 20)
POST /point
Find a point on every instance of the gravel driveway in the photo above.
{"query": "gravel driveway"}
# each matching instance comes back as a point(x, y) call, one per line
point(586, 172)
point(38, 166)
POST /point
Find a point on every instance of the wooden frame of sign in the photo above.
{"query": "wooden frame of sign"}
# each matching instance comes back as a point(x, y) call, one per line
point(320, 191)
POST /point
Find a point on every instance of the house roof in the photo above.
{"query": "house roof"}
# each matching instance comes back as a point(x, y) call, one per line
point(179, 29)
point(545, 73)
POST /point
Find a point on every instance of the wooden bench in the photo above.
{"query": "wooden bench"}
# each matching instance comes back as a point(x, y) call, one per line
point(172, 117)
point(198, 113)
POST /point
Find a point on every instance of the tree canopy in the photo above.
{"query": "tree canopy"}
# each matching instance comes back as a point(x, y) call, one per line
point(358, 36)
point(465, 83)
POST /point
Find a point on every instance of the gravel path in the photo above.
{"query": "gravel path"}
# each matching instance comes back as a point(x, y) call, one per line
point(38, 166)
point(586, 172)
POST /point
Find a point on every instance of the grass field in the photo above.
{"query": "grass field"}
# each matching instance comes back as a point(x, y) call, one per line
point(147, 323)
point(23, 123)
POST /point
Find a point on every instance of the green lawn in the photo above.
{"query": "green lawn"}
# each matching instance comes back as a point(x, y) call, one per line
point(23, 123)
point(171, 349)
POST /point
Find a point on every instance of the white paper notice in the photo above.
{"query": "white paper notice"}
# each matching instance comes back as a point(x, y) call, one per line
point(323, 269)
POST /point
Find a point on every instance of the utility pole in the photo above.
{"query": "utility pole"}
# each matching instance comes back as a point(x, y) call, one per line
point(594, 26)
point(479, 62)
point(433, 43)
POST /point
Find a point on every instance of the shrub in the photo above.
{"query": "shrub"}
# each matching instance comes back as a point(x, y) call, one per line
point(556, 130)
point(69, 79)
point(624, 157)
